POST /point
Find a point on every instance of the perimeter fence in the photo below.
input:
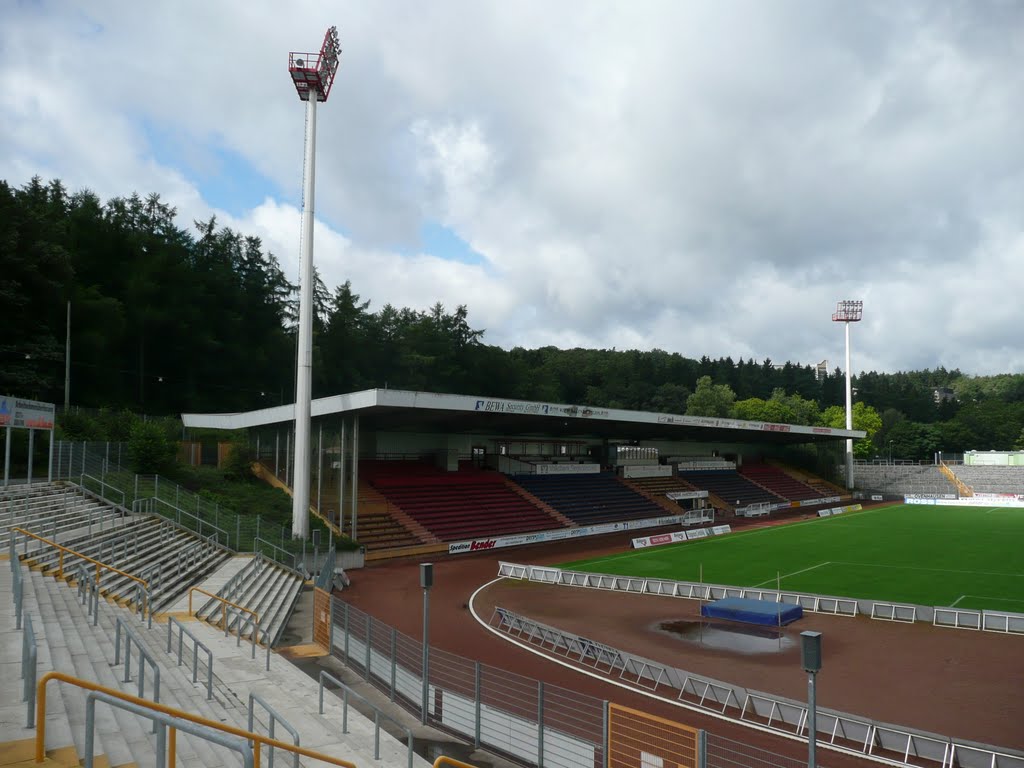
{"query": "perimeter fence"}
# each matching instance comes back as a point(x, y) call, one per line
point(526, 720)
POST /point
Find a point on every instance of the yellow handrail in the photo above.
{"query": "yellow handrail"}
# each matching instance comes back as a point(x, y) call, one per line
point(443, 760)
point(224, 608)
point(60, 561)
point(179, 713)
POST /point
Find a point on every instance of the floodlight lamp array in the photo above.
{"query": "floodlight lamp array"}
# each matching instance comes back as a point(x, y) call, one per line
point(314, 72)
point(848, 312)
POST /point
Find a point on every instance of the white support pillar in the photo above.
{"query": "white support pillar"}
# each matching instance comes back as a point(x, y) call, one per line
point(319, 468)
point(49, 466)
point(353, 529)
point(341, 480)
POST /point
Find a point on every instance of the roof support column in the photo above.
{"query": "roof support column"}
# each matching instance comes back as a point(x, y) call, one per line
point(355, 476)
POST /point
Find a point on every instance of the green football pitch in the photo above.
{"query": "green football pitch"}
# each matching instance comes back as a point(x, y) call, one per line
point(966, 557)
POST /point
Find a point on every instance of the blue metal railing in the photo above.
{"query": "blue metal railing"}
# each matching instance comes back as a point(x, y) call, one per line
point(274, 718)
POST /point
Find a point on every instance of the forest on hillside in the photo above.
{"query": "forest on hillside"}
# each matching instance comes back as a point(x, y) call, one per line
point(168, 319)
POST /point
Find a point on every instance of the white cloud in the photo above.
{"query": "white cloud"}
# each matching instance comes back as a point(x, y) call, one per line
point(707, 177)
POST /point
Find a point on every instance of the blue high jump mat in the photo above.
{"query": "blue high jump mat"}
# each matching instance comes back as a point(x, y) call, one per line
point(766, 612)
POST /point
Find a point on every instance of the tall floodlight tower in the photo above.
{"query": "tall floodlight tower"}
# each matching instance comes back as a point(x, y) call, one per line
point(848, 312)
point(313, 76)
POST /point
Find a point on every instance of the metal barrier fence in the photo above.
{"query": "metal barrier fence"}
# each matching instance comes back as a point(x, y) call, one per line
point(506, 713)
point(958, 618)
point(899, 745)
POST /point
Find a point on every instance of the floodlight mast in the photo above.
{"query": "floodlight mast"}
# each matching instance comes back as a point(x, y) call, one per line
point(848, 312)
point(313, 75)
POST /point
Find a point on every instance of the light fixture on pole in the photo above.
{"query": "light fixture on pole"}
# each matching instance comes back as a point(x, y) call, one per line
point(890, 451)
point(810, 658)
point(313, 75)
point(848, 312)
point(426, 581)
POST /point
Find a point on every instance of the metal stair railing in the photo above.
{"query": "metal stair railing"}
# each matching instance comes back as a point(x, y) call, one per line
point(377, 714)
point(155, 707)
point(62, 550)
point(196, 645)
point(144, 658)
point(165, 726)
point(103, 486)
point(29, 659)
point(274, 718)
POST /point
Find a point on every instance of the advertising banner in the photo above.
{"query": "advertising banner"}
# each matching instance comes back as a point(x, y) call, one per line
point(568, 469)
point(500, 542)
point(677, 495)
point(25, 414)
point(647, 470)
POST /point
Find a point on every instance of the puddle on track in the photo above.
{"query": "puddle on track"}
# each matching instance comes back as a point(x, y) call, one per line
point(735, 637)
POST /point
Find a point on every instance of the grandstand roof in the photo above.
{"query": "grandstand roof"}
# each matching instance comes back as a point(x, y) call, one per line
point(395, 410)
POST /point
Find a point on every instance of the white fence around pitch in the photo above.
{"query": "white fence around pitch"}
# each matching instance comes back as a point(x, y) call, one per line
point(734, 702)
point(957, 618)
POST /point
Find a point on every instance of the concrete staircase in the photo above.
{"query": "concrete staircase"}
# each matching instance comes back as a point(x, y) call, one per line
point(58, 512)
point(267, 588)
point(170, 558)
point(68, 642)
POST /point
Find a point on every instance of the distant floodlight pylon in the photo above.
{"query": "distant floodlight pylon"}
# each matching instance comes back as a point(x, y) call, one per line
point(313, 75)
point(848, 312)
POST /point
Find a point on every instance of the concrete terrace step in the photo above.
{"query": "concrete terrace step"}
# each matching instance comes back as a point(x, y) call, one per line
point(213, 582)
point(264, 588)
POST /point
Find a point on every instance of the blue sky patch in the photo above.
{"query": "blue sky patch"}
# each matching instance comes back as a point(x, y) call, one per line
point(440, 241)
point(225, 179)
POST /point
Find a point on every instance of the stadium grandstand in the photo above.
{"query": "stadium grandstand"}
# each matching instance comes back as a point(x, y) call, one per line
point(423, 472)
point(140, 607)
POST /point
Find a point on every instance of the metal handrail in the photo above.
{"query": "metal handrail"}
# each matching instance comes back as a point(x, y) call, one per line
point(377, 714)
point(197, 518)
point(29, 658)
point(443, 760)
point(103, 484)
point(40, 747)
point(224, 614)
point(196, 645)
point(18, 586)
point(258, 540)
point(144, 657)
point(166, 727)
point(240, 624)
point(62, 549)
point(88, 593)
point(275, 717)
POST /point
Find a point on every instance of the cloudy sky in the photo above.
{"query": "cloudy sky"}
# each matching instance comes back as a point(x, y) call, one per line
point(702, 176)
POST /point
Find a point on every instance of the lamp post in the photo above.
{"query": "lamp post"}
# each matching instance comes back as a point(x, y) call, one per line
point(313, 75)
point(426, 581)
point(848, 312)
point(890, 451)
point(810, 658)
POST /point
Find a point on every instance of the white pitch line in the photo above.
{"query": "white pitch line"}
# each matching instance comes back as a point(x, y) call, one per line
point(930, 570)
point(953, 604)
point(794, 573)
